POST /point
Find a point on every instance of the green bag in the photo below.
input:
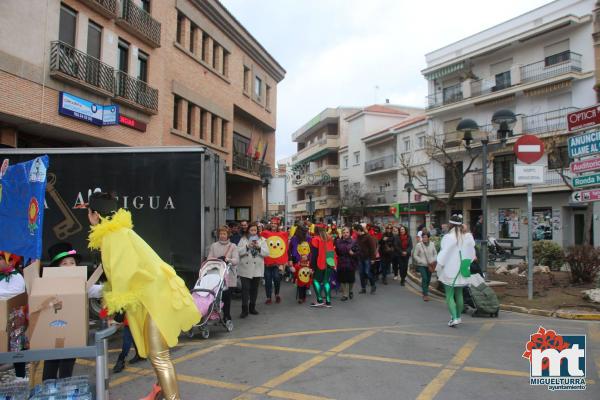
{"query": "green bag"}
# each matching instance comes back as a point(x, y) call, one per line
point(465, 266)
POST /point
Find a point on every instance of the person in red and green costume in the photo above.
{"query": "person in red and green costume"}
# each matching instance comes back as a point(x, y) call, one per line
point(324, 263)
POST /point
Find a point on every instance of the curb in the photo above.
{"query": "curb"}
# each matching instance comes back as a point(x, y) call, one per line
point(523, 310)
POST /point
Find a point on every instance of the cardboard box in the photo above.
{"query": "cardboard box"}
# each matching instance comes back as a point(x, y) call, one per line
point(7, 305)
point(58, 308)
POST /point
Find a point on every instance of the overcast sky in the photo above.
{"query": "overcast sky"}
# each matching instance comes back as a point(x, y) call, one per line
point(337, 52)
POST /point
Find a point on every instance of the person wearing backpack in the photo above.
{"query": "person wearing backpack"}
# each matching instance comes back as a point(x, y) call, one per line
point(424, 257)
point(453, 263)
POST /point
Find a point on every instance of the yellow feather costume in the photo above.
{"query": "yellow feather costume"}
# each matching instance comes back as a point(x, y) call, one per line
point(140, 282)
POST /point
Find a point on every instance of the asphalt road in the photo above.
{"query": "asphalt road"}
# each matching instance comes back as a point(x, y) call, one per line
point(390, 345)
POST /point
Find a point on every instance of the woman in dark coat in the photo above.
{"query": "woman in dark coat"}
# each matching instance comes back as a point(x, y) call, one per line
point(347, 252)
point(405, 249)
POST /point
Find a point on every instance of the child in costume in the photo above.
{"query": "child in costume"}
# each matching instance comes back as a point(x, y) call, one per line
point(323, 266)
point(156, 301)
point(303, 278)
point(298, 248)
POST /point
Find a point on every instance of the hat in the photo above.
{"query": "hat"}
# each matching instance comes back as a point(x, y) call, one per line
point(103, 203)
point(62, 250)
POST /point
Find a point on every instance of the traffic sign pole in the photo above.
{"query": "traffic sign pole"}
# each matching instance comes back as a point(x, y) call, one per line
point(529, 242)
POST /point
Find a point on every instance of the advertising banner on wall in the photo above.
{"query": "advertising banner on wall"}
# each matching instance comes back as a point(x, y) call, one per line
point(85, 110)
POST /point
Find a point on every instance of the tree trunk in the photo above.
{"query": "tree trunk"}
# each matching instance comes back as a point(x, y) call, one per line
point(589, 221)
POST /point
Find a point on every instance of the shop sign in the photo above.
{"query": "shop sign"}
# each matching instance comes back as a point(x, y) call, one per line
point(586, 180)
point(583, 118)
point(584, 196)
point(584, 145)
point(132, 123)
point(85, 110)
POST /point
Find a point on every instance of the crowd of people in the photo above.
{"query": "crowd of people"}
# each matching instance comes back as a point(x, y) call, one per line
point(324, 256)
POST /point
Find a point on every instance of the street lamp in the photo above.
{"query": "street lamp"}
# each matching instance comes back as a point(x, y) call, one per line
point(310, 205)
point(503, 120)
point(265, 177)
point(408, 186)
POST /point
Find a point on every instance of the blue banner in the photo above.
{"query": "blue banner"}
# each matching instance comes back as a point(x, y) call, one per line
point(85, 110)
point(22, 191)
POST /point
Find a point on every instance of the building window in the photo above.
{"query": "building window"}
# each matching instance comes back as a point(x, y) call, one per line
point(205, 41)
point(180, 18)
point(346, 158)
point(504, 171)
point(176, 105)
point(190, 115)
point(225, 69)
point(203, 123)
point(213, 128)
point(268, 97)
point(94, 40)
point(240, 143)
point(223, 132)
point(67, 25)
point(142, 72)
point(407, 145)
point(146, 5)
point(557, 53)
point(246, 79)
point(421, 141)
point(123, 56)
point(193, 29)
point(215, 52)
point(257, 88)
point(356, 157)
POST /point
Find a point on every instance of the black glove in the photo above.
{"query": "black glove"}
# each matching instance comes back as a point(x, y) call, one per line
point(119, 317)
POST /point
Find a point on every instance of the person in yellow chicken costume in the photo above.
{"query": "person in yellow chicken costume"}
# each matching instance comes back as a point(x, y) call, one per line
point(155, 300)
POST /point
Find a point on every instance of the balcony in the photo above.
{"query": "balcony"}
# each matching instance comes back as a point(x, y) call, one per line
point(550, 121)
point(76, 67)
point(136, 94)
point(383, 198)
point(448, 95)
point(491, 84)
point(139, 23)
point(315, 176)
point(248, 164)
point(313, 150)
point(437, 185)
point(381, 164)
point(551, 66)
point(321, 202)
point(108, 8)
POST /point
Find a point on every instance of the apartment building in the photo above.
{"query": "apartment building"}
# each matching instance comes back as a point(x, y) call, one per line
point(141, 73)
point(313, 187)
point(370, 163)
point(539, 65)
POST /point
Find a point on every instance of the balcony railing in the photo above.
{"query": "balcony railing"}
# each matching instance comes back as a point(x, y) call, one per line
point(436, 185)
point(136, 92)
point(108, 8)
point(551, 66)
point(385, 162)
point(447, 95)
point(68, 61)
point(383, 197)
point(491, 84)
point(139, 23)
point(550, 121)
point(248, 164)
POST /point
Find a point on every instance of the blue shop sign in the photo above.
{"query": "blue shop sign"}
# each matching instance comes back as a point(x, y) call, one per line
point(85, 110)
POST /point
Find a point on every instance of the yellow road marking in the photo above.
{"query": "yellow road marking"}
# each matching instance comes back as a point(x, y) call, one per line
point(352, 341)
point(198, 353)
point(391, 360)
point(493, 371)
point(213, 383)
point(305, 333)
point(276, 348)
point(422, 334)
point(436, 385)
point(282, 394)
point(259, 390)
point(294, 372)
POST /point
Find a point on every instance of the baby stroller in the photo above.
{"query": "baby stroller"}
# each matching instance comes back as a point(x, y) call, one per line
point(496, 251)
point(207, 293)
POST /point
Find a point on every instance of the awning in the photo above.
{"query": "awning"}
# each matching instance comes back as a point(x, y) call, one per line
point(447, 70)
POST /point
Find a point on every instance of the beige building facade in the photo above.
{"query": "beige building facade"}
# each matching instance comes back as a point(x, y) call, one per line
point(182, 72)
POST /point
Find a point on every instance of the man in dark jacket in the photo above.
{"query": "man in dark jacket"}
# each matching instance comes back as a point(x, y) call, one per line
point(368, 251)
point(388, 247)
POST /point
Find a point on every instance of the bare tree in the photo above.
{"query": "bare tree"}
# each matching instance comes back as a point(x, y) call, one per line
point(353, 199)
point(439, 151)
point(555, 147)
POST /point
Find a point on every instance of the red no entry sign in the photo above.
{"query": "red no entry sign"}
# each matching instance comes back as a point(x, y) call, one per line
point(529, 149)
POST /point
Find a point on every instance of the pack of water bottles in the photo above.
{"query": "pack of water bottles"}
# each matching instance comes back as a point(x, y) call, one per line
point(74, 388)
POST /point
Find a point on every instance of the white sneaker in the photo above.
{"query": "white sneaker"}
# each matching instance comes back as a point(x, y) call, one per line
point(18, 379)
point(395, 277)
point(458, 321)
point(453, 322)
point(308, 292)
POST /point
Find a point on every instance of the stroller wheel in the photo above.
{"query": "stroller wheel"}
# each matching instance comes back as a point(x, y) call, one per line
point(205, 333)
point(229, 325)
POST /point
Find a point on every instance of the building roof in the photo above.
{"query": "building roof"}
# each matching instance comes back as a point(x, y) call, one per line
point(378, 108)
point(400, 125)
